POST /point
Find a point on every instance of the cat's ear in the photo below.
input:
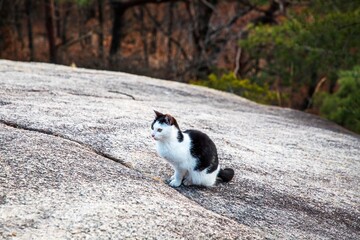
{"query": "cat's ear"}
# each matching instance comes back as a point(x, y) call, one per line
point(169, 119)
point(158, 114)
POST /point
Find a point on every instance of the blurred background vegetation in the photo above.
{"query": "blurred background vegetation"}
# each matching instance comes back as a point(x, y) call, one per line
point(302, 54)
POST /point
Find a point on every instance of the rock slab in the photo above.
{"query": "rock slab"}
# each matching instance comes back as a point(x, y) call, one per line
point(77, 161)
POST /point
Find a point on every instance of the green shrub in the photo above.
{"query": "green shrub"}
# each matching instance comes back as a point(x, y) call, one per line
point(242, 87)
point(308, 45)
point(343, 107)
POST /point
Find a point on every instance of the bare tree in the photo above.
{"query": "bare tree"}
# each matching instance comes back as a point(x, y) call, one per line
point(119, 8)
point(169, 31)
point(28, 9)
point(50, 29)
point(65, 16)
point(101, 30)
point(200, 14)
point(143, 33)
point(18, 24)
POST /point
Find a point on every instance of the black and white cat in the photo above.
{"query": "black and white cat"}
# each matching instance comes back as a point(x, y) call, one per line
point(192, 153)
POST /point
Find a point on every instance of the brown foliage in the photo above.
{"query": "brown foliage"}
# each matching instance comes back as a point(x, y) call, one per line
point(178, 40)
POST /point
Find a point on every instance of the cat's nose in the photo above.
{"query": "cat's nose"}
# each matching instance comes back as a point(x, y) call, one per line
point(153, 135)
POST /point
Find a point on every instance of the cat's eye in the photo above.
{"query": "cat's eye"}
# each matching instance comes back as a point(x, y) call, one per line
point(159, 130)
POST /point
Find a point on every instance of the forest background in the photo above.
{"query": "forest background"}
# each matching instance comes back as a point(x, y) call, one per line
point(301, 54)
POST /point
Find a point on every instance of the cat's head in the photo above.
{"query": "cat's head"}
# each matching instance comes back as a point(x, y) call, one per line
point(163, 126)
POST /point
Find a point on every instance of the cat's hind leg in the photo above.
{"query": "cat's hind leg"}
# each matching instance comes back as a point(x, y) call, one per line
point(203, 178)
point(187, 180)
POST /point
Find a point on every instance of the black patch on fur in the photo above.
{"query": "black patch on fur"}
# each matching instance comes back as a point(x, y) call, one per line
point(203, 149)
point(180, 136)
point(152, 125)
point(160, 119)
point(166, 119)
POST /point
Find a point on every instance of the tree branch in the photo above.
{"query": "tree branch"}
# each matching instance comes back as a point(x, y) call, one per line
point(132, 3)
point(74, 41)
point(158, 26)
point(231, 22)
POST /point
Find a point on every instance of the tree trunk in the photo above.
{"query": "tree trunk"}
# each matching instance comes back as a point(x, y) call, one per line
point(28, 9)
point(169, 32)
point(101, 32)
point(81, 25)
point(153, 43)
point(57, 19)
point(202, 18)
point(143, 36)
point(50, 29)
point(201, 22)
point(67, 9)
point(118, 10)
point(18, 27)
point(308, 101)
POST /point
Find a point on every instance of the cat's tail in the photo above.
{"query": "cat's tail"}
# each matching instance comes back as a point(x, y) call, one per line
point(226, 174)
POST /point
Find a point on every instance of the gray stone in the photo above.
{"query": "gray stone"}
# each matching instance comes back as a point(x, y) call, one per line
point(77, 161)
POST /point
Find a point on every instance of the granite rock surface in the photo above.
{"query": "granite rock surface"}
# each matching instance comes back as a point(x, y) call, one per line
point(77, 161)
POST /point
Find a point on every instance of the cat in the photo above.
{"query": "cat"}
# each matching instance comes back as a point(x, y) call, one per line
point(191, 153)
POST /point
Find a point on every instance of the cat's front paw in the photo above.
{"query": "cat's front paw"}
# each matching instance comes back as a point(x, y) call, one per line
point(175, 183)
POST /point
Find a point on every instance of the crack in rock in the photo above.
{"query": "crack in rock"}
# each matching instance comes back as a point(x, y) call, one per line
point(36, 90)
point(51, 133)
point(122, 93)
point(97, 96)
point(3, 103)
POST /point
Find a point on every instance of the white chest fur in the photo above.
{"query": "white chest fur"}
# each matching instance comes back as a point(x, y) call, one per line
point(177, 153)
